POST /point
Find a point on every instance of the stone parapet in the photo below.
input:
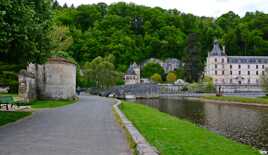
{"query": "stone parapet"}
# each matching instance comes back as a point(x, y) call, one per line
point(142, 146)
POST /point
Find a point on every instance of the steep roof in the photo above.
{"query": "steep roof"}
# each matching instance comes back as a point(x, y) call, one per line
point(216, 51)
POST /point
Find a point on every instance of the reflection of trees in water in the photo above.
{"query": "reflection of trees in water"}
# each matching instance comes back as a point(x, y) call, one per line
point(245, 124)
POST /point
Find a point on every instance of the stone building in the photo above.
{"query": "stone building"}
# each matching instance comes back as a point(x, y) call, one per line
point(133, 75)
point(234, 70)
point(170, 64)
point(54, 80)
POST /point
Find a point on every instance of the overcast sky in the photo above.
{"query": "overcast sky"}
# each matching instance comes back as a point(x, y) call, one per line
point(213, 8)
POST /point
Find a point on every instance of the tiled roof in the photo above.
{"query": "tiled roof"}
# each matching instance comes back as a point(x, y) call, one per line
point(216, 51)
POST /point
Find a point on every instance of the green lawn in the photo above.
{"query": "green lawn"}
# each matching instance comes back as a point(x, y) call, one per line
point(8, 94)
point(263, 100)
point(39, 104)
point(173, 136)
point(7, 117)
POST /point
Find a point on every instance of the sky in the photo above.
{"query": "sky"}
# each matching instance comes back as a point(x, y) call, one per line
point(211, 8)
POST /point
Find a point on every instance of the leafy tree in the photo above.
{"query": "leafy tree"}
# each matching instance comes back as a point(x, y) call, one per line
point(61, 39)
point(192, 58)
point(150, 69)
point(23, 29)
point(156, 78)
point(171, 77)
point(102, 72)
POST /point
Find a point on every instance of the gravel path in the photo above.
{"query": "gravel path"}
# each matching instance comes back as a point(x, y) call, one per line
point(85, 128)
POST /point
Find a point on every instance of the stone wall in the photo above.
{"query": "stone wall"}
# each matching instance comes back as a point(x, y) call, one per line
point(27, 86)
point(54, 80)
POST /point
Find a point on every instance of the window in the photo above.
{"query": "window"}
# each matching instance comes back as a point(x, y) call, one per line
point(231, 73)
point(216, 72)
point(222, 72)
point(257, 66)
point(239, 66)
point(262, 66)
point(231, 66)
point(215, 59)
point(257, 73)
point(248, 66)
point(262, 73)
point(248, 81)
point(257, 81)
point(231, 80)
point(216, 66)
point(222, 60)
point(239, 72)
point(248, 72)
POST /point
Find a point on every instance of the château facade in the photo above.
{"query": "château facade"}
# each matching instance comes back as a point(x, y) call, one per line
point(234, 70)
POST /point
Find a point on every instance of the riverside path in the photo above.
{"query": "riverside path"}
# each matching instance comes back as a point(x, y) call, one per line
point(85, 128)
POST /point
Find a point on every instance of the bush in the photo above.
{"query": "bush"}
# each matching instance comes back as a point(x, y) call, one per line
point(171, 77)
point(156, 77)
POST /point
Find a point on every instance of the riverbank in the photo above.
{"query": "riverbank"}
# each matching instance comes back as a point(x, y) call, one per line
point(262, 102)
point(173, 136)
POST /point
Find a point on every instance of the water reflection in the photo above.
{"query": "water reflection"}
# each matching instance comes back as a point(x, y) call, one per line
point(245, 124)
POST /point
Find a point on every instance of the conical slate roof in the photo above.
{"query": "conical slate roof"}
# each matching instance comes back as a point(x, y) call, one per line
point(216, 51)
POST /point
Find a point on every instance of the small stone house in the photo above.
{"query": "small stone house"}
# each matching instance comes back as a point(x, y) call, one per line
point(54, 80)
point(133, 75)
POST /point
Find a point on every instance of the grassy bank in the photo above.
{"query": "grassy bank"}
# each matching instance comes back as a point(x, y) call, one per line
point(263, 100)
point(173, 136)
point(40, 104)
point(8, 117)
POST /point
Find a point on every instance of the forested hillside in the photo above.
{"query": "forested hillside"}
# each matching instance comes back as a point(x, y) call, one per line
point(32, 30)
point(134, 33)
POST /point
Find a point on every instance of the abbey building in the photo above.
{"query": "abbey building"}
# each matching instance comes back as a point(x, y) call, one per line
point(234, 70)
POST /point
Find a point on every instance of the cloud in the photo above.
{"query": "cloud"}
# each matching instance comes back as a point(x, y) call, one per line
point(213, 8)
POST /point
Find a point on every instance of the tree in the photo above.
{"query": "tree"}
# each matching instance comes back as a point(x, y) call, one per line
point(156, 78)
point(24, 28)
point(150, 69)
point(61, 38)
point(193, 66)
point(171, 77)
point(102, 72)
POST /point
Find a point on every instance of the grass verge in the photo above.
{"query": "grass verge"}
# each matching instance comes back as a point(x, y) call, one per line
point(41, 104)
point(8, 117)
point(263, 100)
point(173, 136)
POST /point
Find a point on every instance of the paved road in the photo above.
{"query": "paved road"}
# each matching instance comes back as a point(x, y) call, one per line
point(85, 128)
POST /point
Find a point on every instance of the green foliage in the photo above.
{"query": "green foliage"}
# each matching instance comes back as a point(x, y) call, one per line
point(192, 58)
point(102, 72)
point(156, 78)
point(171, 77)
point(60, 37)
point(150, 69)
point(23, 29)
point(174, 136)
point(203, 86)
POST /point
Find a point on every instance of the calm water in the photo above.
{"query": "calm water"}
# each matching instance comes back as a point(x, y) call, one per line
point(245, 124)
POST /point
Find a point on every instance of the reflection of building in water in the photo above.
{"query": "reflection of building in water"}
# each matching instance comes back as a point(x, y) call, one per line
point(234, 70)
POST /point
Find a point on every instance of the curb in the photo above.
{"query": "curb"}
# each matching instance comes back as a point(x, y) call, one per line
point(142, 146)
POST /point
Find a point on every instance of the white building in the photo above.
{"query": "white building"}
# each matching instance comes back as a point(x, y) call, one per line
point(234, 70)
point(133, 75)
